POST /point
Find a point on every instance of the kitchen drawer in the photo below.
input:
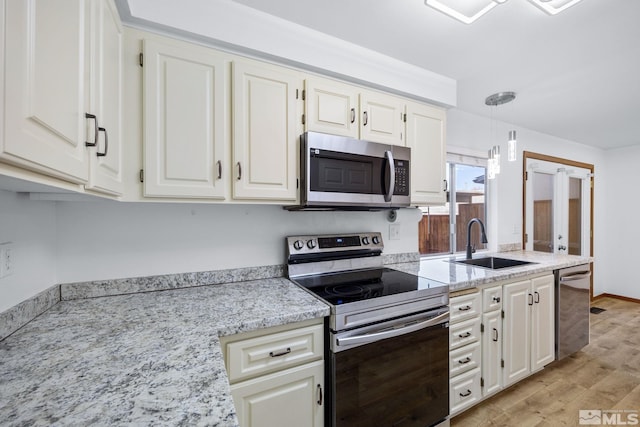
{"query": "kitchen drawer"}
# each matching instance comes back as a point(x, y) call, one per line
point(464, 391)
point(492, 299)
point(465, 307)
point(464, 333)
point(248, 358)
point(464, 359)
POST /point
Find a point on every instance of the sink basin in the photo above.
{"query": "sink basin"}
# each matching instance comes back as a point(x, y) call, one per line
point(493, 263)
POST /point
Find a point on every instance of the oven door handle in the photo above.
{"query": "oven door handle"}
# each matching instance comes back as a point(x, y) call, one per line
point(377, 336)
point(392, 175)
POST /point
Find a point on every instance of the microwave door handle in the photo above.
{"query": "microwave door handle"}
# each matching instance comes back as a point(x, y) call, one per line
point(392, 175)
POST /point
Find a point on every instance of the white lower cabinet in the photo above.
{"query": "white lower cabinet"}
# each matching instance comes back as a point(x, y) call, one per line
point(277, 375)
point(499, 336)
point(528, 327)
point(465, 352)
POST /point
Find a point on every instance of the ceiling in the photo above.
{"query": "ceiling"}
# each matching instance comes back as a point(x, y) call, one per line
point(576, 74)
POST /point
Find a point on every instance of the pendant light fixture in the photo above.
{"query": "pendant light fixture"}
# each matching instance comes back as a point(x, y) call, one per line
point(494, 154)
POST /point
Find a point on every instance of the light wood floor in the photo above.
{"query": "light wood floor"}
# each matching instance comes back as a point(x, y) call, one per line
point(604, 375)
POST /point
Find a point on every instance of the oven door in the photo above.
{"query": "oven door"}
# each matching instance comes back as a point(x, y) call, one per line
point(392, 374)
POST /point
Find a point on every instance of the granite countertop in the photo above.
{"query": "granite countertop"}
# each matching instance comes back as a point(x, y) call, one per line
point(145, 359)
point(461, 276)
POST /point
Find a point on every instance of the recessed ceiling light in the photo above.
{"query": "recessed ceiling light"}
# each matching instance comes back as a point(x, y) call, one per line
point(468, 11)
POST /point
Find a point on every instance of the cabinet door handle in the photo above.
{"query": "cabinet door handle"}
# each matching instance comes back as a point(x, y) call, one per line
point(353, 115)
point(465, 335)
point(365, 118)
point(530, 299)
point(464, 361)
point(239, 171)
point(219, 169)
point(537, 301)
point(495, 335)
point(95, 132)
point(446, 185)
point(319, 389)
point(106, 143)
point(468, 393)
point(465, 308)
point(280, 353)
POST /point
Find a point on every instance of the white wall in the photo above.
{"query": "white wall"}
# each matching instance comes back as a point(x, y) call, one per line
point(505, 192)
point(31, 227)
point(620, 231)
point(109, 240)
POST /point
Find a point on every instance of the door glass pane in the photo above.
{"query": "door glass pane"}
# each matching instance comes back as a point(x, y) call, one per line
point(575, 216)
point(543, 212)
point(469, 204)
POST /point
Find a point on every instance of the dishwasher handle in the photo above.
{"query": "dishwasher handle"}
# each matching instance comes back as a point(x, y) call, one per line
point(576, 276)
point(394, 332)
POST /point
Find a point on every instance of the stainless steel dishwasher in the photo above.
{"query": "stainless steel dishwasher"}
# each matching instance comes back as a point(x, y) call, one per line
point(572, 309)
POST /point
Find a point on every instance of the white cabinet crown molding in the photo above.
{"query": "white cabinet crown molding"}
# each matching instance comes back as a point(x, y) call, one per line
point(224, 24)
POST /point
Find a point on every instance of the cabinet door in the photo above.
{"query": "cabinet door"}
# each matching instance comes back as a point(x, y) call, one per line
point(185, 125)
point(289, 398)
point(542, 322)
point(382, 118)
point(266, 129)
point(426, 137)
point(491, 352)
point(516, 347)
point(331, 107)
point(105, 159)
point(45, 90)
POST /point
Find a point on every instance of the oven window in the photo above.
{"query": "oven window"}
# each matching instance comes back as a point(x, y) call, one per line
point(401, 381)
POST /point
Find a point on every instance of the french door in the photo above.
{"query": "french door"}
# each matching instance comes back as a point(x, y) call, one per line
point(557, 208)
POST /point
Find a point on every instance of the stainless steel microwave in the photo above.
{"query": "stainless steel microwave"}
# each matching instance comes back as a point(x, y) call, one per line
point(338, 172)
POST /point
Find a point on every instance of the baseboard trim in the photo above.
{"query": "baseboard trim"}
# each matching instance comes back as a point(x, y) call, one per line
point(620, 297)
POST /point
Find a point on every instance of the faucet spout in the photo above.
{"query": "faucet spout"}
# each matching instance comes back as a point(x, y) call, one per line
point(483, 237)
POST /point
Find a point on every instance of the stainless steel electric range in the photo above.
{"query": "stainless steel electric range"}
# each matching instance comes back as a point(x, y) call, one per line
point(387, 338)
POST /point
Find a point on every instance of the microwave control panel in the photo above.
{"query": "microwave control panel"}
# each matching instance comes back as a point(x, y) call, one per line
point(402, 178)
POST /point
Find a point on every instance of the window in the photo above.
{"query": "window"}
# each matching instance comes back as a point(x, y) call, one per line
point(443, 229)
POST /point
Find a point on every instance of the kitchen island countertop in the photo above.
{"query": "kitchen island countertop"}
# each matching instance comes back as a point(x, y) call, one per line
point(145, 359)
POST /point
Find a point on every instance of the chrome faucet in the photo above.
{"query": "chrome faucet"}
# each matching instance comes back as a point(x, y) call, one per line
point(483, 237)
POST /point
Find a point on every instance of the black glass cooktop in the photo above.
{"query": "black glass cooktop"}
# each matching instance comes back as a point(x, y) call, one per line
point(351, 286)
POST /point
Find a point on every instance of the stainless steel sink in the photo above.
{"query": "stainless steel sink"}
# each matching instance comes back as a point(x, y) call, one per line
point(493, 263)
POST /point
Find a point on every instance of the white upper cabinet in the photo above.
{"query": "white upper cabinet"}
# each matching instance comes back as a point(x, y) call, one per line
point(426, 137)
point(46, 90)
point(266, 129)
point(105, 168)
point(341, 109)
point(382, 118)
point(331, 107)
point(62, 59)
point(185, 121)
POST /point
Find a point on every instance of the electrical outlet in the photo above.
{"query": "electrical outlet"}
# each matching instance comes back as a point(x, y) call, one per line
point(394, 231)
point(6, 259)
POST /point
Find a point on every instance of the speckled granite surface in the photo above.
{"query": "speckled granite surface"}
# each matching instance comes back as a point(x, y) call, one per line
point(99, 288)
point(21, 314)
point(139, 359)
point(460, 276)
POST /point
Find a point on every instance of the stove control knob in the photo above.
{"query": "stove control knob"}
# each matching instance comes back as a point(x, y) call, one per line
point(365, 240)
point(311, 244)
point(298, 244)
point(375, 240)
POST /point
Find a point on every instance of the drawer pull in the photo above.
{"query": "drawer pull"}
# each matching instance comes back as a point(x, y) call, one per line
point(280, 353)
point(465, 335)
point(496, 299)
point(464, 361)
point(465, 308)
point(468, 393)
